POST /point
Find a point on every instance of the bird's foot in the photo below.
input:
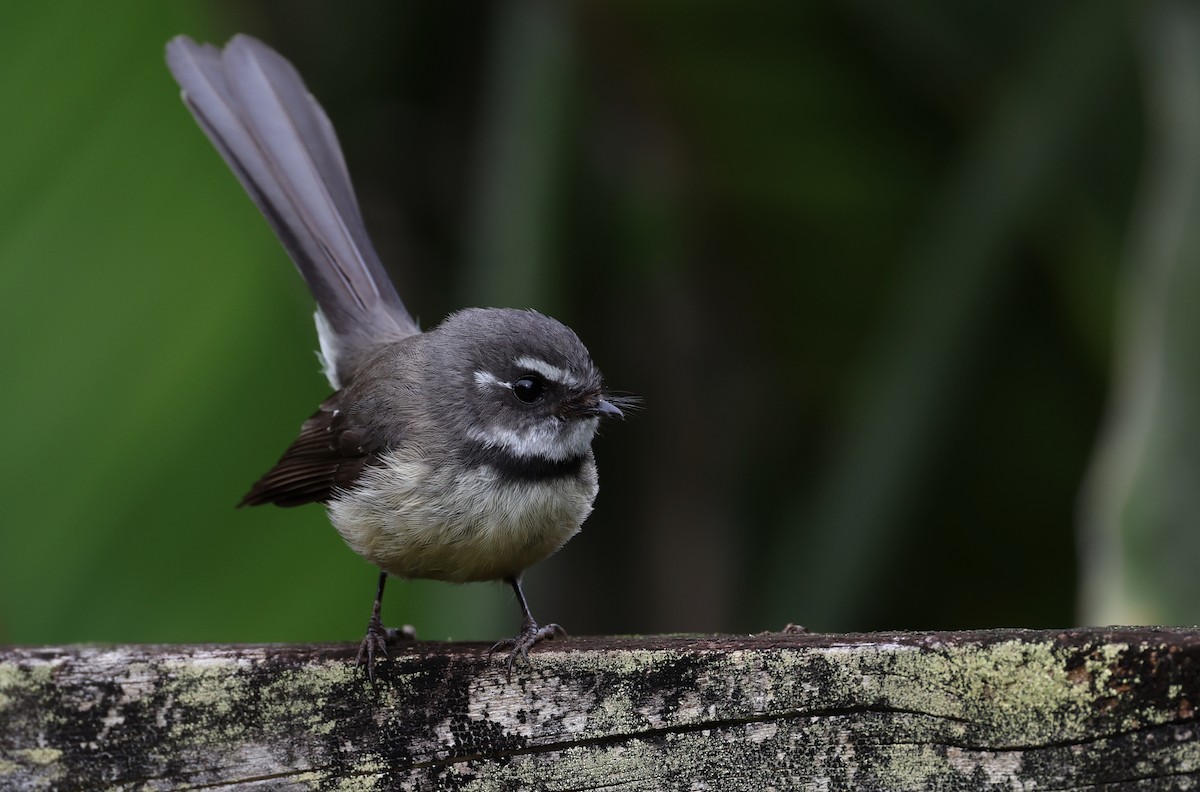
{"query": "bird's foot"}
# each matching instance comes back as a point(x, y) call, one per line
point(377, 639)
point(531, 635)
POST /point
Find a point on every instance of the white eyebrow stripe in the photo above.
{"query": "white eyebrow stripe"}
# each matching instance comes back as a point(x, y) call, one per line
point(486, 379)
point(553, 373)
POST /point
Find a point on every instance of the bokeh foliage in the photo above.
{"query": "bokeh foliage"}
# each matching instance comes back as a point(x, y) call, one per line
point(863, 260)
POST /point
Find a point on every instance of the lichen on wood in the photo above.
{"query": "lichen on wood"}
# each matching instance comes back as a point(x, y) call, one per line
point(979, 710)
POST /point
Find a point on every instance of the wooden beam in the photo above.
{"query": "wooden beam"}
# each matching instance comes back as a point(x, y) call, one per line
point(1000, 709)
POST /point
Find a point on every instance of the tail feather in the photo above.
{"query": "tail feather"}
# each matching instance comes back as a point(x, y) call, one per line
point(257, 112)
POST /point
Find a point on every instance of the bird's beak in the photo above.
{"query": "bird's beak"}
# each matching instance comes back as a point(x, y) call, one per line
point(605, 407)
point(591, 406)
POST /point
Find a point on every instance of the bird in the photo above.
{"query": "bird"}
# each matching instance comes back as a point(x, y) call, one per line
point(462, 453)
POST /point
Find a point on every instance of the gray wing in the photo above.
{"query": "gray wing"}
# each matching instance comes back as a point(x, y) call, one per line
point(255, 109)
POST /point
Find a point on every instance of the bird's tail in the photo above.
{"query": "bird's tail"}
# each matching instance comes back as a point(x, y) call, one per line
point(255, 109)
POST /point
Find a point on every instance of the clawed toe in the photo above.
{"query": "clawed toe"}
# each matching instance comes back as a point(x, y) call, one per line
point(531, 635)
point(376, 641)
point(379, 636)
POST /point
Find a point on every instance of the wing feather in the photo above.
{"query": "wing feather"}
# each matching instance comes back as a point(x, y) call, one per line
point(328, 455)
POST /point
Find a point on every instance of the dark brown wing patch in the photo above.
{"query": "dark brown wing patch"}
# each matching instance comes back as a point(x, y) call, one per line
point(328, 454)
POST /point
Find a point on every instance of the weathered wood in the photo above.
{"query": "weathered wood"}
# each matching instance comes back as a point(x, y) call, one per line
point(1111, 709)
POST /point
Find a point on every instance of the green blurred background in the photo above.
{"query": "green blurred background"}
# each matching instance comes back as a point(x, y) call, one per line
point(911, 292)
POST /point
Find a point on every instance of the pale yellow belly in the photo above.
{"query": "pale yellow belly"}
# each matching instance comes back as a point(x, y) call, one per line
point(416, 521)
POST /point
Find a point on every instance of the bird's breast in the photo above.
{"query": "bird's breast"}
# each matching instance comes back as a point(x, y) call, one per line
point(460, 523)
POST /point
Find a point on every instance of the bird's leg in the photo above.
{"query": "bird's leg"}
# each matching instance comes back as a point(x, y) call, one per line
point(530, 635)
point(378, 635)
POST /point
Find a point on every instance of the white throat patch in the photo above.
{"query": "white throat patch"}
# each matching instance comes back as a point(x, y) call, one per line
point(552, 438)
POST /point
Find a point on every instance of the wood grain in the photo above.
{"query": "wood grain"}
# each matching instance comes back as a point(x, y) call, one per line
point(994, 710)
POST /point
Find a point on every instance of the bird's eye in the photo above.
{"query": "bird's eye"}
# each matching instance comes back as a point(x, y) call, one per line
point(529, 388)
